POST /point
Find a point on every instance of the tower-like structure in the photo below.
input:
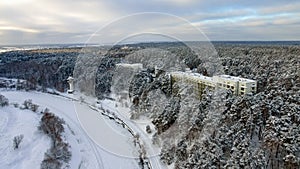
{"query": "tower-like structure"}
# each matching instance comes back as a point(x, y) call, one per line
point(70, 80)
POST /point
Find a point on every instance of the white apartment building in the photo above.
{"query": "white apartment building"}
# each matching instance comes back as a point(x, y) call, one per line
point(239, 86)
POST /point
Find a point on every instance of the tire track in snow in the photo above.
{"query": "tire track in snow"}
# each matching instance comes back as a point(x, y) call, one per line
point(4, 122)
point(125, 125)
point(144, 137)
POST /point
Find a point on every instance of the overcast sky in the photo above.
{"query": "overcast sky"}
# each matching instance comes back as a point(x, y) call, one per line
point(75, 21)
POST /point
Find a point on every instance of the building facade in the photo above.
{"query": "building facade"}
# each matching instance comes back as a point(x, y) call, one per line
point(239, 86)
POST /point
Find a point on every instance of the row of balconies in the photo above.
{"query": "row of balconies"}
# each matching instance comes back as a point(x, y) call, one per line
point(238, 87)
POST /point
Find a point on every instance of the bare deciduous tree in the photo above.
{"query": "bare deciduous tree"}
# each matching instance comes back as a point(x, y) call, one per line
point(17, 140)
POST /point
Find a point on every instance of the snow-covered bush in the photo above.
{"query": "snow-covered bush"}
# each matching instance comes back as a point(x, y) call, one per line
point(52, 125)
point(56, 156)
point(3, 101)
point(59, 152)
point(16, 105)
point(50, 163)
point(29, 105)
point(148, 129)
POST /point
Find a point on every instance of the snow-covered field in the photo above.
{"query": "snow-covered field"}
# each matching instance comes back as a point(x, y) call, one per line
point(86, 152)
point(13, 122)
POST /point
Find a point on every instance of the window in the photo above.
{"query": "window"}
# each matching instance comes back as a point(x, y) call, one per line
point(242, 93)
point(242, 88)
point(253, 88)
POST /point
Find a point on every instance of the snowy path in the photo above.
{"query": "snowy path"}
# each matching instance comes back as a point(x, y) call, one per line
point(119, 115)
point(86, 153)
point(137, 127)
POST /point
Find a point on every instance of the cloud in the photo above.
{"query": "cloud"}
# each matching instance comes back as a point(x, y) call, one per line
point(268, 27)
point(19, 29)
point(42, 17)
point(284, 8)
point(68, 21)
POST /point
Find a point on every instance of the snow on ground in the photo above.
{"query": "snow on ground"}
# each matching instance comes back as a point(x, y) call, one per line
point(86, 153)
point(109, 136)
point(138, 126)
point(30, 154)
point(121, 108)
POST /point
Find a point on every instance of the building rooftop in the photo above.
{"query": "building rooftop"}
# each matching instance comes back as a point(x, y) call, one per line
point(134, 65)
point(70, 78)
point(236, 78)
point(195, 75)
point(214, 78)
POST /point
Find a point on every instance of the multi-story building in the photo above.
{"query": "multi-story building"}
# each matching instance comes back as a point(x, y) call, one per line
point(198, 81)
point(239, 86)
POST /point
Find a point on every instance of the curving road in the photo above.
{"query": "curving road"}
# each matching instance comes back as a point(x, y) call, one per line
point(66, 109)
point(61, 107)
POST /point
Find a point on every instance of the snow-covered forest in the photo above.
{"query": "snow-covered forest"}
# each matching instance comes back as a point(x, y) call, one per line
point(259, 131)
point(220, 130)
point(226, 131)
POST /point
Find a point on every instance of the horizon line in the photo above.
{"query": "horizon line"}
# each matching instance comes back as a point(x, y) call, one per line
point(138, 42)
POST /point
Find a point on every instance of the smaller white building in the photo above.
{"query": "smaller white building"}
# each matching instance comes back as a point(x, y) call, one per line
point(124, 72)
point(134, 66)
point(70, 80)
